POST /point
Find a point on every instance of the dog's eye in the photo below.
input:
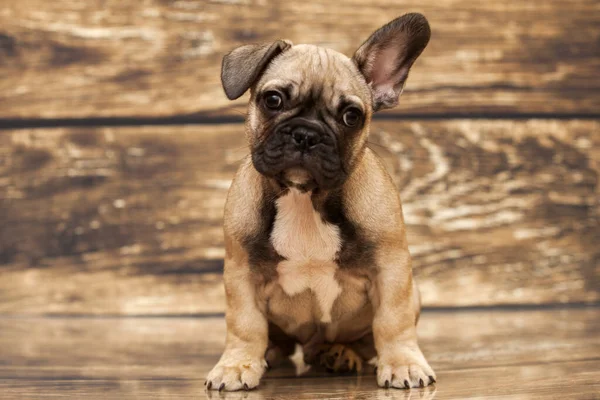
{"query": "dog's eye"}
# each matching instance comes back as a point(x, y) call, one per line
point(352, 116)
point(273, 100)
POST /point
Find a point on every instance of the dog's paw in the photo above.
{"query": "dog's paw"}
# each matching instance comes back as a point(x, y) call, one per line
point(235, 373)
point(340, 358)
point(403, 368)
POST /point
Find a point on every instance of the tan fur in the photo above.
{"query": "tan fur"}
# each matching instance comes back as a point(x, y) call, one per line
point(241, 210)
point(299, 301)
point(306, 294)
point(304, 66)
point(242, 361)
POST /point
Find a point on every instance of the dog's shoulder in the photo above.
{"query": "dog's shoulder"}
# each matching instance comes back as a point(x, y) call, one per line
point(245, 201)
point(371, 199)
point(250, 212)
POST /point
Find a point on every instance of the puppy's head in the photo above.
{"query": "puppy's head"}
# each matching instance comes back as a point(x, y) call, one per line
point(310, 107)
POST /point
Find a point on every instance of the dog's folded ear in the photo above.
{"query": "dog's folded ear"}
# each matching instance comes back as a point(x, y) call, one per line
point(243, 66)
point(386, 57)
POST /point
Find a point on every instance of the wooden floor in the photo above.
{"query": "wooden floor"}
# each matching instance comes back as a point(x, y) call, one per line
point(514, 354)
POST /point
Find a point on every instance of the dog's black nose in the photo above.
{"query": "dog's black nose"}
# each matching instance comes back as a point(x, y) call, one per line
point(305, 138)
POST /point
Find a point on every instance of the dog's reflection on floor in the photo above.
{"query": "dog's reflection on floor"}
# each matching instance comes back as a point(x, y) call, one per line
point(366, 390)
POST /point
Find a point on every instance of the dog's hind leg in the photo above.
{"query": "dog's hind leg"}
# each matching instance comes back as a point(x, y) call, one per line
point(338, 357)
point(345, 357)
point(280, 348)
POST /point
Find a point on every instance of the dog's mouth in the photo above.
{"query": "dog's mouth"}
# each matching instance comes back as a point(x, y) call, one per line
point(300, 154)
point(298, 178)
point(301, 171)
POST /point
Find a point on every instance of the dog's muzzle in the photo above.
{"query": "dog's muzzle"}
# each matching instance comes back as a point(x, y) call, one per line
point(301, 144)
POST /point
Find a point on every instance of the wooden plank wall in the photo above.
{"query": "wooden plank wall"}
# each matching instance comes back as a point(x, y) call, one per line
point(68, 58)
point(495, 148)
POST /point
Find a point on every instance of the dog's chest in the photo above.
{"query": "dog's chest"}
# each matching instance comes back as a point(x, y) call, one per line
point(309, 245)
point(299, 233)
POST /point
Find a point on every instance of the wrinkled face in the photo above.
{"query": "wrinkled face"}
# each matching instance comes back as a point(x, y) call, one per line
point(308, 118)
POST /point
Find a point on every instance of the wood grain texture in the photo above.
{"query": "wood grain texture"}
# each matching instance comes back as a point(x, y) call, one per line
point(551, 354)
point(66, 58)
point(128, 220)
point(115, 220)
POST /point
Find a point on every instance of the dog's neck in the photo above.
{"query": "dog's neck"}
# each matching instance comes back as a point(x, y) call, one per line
point(276, 188)
point(307, 187)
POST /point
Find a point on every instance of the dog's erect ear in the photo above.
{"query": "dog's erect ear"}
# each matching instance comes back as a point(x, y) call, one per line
point(386, 57)
point(242, 67)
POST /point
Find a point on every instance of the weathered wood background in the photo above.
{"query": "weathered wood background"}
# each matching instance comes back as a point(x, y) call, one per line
point(495, 148)
point(68, 58)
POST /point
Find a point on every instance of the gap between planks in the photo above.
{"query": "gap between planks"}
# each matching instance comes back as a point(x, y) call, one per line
point(199, 119)
point(424, 311)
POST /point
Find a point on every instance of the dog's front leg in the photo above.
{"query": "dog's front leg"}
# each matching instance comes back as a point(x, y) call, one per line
point(400, 362)
point(242, 364)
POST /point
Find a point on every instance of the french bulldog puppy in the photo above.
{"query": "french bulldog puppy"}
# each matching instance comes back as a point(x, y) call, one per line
point(316, 249)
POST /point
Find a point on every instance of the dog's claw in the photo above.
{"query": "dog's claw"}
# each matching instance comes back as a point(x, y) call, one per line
point(375, 369)
point(406, 384)
point(246, 386)
point(421, 383)
point(431, 379)
point(222, 386)
point(387, 384)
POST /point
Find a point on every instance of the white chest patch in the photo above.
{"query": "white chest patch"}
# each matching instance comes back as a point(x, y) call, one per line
point(309, 245)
